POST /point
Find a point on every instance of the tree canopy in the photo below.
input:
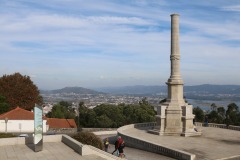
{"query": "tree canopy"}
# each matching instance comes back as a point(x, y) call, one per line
point(231, 116)
point(113, 116)
point(199, 114)
point(19, 91)
point(4, 107)
point(62, 110)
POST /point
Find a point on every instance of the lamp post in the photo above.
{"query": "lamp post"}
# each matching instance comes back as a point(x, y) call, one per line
point(6, 121)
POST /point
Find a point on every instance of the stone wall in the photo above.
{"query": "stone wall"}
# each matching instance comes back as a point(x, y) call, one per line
point(98, 129)
point(62, 131)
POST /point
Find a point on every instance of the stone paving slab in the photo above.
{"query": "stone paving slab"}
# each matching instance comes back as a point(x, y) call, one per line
point(215, 143)
point(51, 151)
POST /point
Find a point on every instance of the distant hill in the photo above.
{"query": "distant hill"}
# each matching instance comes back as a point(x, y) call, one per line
point(205, 88)
point(214, 89)
point(141, 89)
point(77, 90)
point(138, 89)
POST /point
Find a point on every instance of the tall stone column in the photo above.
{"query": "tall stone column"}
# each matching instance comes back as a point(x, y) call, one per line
point(175, 53)
point(175, 82)
point(175, 99)
point(174, 117)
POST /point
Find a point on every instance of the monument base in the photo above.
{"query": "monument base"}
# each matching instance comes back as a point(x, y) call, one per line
point(156, 132)
point(175, 122)
point(191, 134)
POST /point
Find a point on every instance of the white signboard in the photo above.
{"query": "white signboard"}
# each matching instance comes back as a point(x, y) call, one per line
point(38, 128)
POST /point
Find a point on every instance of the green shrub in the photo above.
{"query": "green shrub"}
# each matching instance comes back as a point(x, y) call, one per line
point(89, 139)
point(6, 135)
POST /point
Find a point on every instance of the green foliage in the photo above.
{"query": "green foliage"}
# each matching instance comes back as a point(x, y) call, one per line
point(60, 111)
point(213, 117)
point(65, 104)
point(233, 114)
point(19, 91)
point(220, 115)
point(89, 139)
point(143, 101)
point(113, 116)
point(213, 107)
point(103, 121)
point(4, 107)
point(6, 135)
point(87, 117)
point(199, 114)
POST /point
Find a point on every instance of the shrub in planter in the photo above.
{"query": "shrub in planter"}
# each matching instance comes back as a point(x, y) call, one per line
point(6, 135)
point(89, 139)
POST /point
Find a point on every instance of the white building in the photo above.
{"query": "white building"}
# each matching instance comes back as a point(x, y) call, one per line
point(19, 120)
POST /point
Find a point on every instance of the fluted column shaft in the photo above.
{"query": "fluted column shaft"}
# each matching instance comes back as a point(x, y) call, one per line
point(175, 52)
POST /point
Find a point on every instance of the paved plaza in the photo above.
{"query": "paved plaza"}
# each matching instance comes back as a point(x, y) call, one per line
point(51, 151)
point(59, 151)
point(215, 143)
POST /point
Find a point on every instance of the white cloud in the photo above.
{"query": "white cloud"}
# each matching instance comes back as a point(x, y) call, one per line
point(118, 43)
point(234, 8)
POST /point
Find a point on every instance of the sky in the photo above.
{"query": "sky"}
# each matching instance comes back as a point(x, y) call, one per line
point(106, 43)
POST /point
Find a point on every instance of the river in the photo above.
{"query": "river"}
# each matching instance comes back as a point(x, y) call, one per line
point(206, 104)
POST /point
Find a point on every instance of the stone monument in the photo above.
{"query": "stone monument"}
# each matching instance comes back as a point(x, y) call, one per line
point(174, 117)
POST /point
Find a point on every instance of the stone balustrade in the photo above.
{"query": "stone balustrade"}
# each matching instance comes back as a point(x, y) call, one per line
point(215, 125)
point(152, 147)
point(62, 131)
point(98, 129)
point(145, 125)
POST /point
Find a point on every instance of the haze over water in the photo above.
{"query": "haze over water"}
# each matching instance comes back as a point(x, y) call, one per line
point(206, 104)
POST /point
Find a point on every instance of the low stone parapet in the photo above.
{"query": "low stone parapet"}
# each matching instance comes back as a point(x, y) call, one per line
point(62, 131)
point(98, 129)
point(145, 125)
point(215, 125)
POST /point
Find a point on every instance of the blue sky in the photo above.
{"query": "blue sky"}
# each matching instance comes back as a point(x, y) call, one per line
point(96, 43)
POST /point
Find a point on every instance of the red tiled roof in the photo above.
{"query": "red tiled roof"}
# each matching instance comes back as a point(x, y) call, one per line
point(18, 114)
point(61, 123)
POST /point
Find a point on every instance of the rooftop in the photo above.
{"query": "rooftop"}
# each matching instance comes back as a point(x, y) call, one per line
point(61, 123)
point(18, 114)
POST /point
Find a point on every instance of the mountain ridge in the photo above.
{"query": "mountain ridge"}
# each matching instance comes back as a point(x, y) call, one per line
point(151, 89)
point(77, 90)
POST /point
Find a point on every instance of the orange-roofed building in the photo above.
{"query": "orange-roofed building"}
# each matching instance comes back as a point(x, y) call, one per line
point(19, 120)
point(57, 123)
point(22, 121)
